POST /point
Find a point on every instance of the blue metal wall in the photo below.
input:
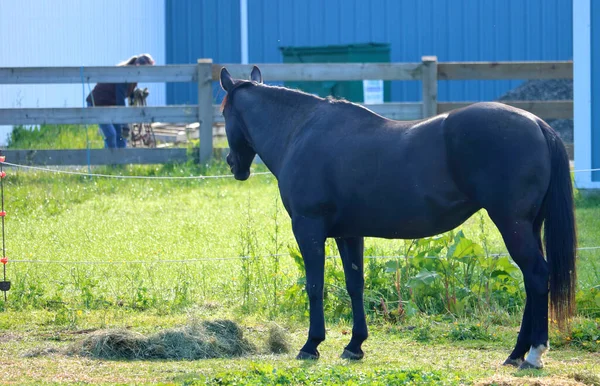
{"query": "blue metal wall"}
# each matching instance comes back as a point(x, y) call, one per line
point(595, 74)
point(200, 29)
point(454, 30)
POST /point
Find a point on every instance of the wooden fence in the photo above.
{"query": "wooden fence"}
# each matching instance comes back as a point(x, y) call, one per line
point(429, 72)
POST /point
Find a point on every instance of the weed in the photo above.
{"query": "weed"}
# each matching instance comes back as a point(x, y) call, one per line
point(463, 331)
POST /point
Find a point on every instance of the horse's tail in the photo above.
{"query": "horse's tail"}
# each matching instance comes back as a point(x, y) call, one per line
point(560, 234)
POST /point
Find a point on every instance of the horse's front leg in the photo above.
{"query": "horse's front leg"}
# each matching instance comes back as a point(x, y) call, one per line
point(351, 251)
point(310, 235)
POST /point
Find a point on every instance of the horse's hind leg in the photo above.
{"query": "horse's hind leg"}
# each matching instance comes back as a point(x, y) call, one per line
point(517, 357)
point(351, 251)
point(523, 243)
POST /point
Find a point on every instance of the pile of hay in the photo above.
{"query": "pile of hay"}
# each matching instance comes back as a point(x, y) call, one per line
point(208, 339)
point(278, 341)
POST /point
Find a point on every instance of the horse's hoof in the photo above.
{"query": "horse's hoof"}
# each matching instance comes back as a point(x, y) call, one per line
point(513, 362)
point(307, 356)
point(347, 354)
point(526, 365)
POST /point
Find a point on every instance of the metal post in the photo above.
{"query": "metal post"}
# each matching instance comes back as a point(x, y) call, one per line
point(205, 110)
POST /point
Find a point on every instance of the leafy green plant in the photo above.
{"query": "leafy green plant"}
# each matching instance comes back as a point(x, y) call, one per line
point(265, 374)
point(588, 301)
point(586, 334)
point(423, 333)
point(55, 137)
point(463, 331)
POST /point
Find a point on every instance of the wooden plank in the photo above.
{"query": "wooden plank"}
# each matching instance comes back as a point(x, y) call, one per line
point(543, 109)
point(205, 108)
point(429, 85)
point(289, 71)
point(324, 71)
point(570, 150)
point(113, 74)
point(217, 114)
point(505, 70)
point(94, 115)
point(402, 111)
point(96, 156)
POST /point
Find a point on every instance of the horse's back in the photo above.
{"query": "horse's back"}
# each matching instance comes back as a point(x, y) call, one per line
point(375, 177)
point(498, 156)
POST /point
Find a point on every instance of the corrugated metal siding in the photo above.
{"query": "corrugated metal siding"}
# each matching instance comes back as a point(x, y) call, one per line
point(201, 29)
point(595, 74)
point(454, 30)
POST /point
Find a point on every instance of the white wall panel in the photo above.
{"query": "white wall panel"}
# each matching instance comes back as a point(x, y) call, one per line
point(76, 33)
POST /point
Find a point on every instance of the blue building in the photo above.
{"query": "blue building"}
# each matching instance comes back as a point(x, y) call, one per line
point(253, 31)
point(453, 30)
point(238, 31)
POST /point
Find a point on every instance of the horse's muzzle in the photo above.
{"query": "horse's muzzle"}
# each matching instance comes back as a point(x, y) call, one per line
point(242, 176)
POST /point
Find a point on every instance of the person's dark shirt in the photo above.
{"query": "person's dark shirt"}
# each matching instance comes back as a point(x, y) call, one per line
point(110, 94)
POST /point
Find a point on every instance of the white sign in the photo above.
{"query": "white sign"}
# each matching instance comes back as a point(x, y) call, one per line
point(373, 91)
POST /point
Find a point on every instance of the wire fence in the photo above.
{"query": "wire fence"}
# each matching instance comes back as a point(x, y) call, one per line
point(199, 177)
point(118, 176)
point(154, 260)
point(200, 259)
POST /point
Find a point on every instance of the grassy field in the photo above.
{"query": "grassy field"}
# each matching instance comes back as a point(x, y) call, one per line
point(131, 236)
point(90, 254)
point(424, 351)
point(157, 244)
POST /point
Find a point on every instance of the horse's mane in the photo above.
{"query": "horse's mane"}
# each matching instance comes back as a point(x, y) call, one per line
point(296, 92)
point(223, 103)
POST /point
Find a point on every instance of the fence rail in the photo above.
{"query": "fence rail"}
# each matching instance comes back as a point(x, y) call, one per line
point(77, 115)
point(548, 109)
point(429, 72)
point(112, 74)
point(505, 70)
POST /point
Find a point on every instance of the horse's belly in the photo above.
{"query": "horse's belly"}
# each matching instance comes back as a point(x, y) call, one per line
point(398, 219)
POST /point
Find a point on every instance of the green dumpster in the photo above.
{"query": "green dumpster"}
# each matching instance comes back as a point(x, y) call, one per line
point(355, 91)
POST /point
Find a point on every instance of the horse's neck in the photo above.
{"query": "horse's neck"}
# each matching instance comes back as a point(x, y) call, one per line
point(271, 132)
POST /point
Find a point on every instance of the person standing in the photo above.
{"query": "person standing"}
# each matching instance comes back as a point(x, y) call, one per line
point(114, 94)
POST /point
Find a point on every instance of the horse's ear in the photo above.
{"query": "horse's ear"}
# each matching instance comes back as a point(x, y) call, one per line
point(226, 80)
point(255, 75)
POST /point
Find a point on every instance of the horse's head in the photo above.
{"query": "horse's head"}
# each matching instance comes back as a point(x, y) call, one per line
point(241, 151)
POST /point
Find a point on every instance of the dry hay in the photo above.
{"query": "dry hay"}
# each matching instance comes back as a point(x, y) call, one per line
point(528, 381)
point(40, 351)
point(6, 337)
point(278, 341)
point(208, 339)
point(587, 378)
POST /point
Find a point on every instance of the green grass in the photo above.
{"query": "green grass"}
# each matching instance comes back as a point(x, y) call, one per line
point(395, 354)
point(56, 218)
point(130, 235)
point(55, 137)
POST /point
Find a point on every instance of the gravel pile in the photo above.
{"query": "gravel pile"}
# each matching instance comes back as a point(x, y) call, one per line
point(544, 90)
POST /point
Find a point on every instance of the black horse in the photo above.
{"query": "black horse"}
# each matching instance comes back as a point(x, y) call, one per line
point(347, 173)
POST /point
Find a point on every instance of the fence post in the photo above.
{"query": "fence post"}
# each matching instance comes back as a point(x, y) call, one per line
point(429, 85)
point(205, 112)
